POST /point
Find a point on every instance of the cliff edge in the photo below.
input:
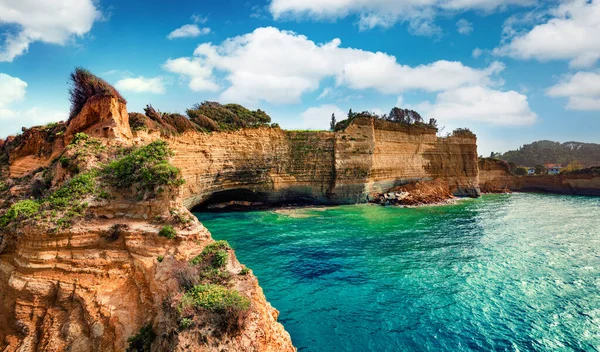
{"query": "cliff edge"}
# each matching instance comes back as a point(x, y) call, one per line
point(98, 253)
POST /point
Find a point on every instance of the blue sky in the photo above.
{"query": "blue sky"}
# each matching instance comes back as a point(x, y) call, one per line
point(514, 71)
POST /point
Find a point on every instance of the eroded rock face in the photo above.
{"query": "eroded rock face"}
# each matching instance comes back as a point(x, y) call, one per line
point(103, 117)
point(80, 291)
point(85, 289)
point(274, 166)
point(494, 177)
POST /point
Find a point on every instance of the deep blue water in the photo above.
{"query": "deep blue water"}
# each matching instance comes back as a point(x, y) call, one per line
point(514, 272)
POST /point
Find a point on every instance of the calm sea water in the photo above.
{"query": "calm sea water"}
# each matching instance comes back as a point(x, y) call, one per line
point(514, 272)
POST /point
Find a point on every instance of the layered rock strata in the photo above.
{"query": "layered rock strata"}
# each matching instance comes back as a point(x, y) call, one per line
point(271, 165)
point(494, 177)
point(89, 287)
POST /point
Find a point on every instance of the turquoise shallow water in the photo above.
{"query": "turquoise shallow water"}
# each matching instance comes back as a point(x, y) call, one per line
point(514, 272)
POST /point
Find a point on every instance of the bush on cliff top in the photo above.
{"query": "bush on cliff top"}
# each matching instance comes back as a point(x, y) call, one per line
point(227, 117)
point(84, 85)
point(401, 116)
point(463, 132)
point(146, 167)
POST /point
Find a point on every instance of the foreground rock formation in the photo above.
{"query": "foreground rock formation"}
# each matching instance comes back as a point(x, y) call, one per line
point(95, 278)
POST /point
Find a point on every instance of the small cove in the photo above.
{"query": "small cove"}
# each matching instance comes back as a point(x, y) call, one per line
point(503, 272)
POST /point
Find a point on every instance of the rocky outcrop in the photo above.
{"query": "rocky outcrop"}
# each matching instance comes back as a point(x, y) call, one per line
point(102, 116)
point(417, 193)
point(575, 184)
point(95, 284)
point(36, 147)
point(270, 165)
point(495, 177)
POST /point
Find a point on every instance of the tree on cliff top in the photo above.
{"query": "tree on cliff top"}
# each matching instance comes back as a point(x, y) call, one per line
point(83, 85)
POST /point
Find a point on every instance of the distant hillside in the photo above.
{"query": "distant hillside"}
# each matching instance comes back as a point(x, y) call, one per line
point(542, 152)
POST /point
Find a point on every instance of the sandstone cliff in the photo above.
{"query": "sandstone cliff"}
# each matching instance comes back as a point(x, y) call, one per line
point(494, 176)
point(87, 271)
point(275, 166)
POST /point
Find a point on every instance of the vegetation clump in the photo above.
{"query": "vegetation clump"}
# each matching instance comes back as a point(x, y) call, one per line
point(145, 167)
point(216, 252)
point(228, 306)
point(84, 85)
point(142, 341)
point(168, 232)
point(226, 117)
point(22, 209)
point(463, 132)
point(549, 152)
point(401, 116)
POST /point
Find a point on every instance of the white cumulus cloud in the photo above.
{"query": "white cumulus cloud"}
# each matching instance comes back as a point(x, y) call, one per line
point(480, 104)
point(571, 34)
point(278, 66)
point(199, 73)
point(12, 90)
point(385, 13)
point(142, 85)
point(582, 90)
point(319, 117)
point(54, 22)
point(464, 27)
point(188, 31)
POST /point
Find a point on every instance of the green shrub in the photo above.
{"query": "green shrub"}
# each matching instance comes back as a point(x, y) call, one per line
point(23, 208)
point(211, 250)
point(80, 136)
point(167, 232)
point(215, 276)
point(463, 132)
point(219, 259)
point(84, 85)
point(185, 323)
point(520, 171)
point(137, 121)
point(245, 271)
point(160, 258)
point(215, 298)
point(142, 341)
point(73, 191)
point(226, 117)
point(147, 167)
point(229, 307)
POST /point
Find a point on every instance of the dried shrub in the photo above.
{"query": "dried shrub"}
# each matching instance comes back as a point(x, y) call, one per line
point(137, 121)
point(205, 122)
point(84, 85)
point(187, 276)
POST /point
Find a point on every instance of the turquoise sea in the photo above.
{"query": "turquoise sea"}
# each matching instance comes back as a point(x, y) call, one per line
point(516, 272)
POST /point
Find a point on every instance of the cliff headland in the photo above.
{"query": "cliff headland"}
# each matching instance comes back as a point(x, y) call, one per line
point(99, 250)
